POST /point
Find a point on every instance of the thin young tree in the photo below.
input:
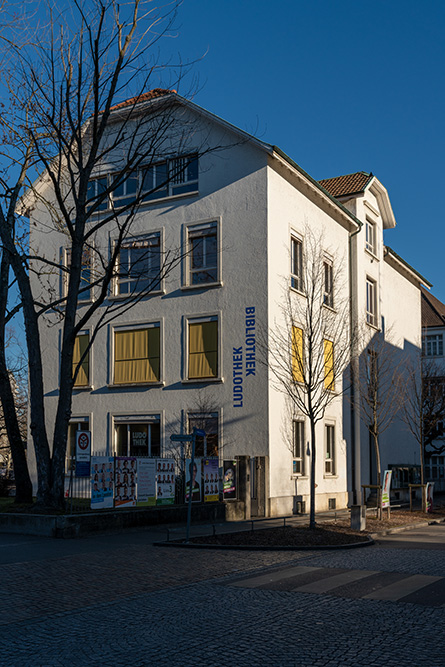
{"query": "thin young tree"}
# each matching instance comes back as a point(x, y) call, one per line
point(379, 371)
point(308, 350)
point(66, 122)
point(422, 390)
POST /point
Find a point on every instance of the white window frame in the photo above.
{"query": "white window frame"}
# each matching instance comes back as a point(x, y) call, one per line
point(137, 326)
point(201, 229)
point(433, 345)
point(371, 236)
point(296, 263)
point(298, 447)
point(328, 282)
point(118, 281)
point(89, 386)
point(134, 418)
point(329, 448)
point(197, 319)
point(371, 302)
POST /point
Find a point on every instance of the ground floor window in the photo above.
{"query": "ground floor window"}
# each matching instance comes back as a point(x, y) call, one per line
point(207, 422)
point(435, 467)
point(77, 424)
point(298, 447)
point(140, 436)
point(329, 459)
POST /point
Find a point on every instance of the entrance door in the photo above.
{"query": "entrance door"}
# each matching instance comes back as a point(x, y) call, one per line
point(258, 486)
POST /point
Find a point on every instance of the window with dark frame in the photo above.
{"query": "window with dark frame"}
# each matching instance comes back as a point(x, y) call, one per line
point(207, 422)
point(328, 292)
point(329, 460)
point(296, 279)
point(298, 447)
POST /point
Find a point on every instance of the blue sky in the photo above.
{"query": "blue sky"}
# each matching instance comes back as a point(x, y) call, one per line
point(340, 86)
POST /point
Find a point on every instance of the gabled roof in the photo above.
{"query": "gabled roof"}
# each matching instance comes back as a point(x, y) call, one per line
point(143, 97)
point(433, 310)
point(350, 184)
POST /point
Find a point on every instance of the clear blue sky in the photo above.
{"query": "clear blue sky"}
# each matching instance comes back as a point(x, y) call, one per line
point(340, 86)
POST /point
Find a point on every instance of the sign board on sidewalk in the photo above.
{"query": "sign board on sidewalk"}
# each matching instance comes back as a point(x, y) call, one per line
point(83, 453)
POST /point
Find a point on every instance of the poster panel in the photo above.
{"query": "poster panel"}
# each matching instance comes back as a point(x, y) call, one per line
point(83, 453)
point(102, 482)
point(125, 481)
point(165, 481)
point(229, 480)
point(429, 496)
point(210, 480)
point(196, 480)
point(146, 486)
point(386, 488)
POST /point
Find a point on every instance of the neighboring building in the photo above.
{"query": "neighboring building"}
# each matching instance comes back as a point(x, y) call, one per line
point(433, 334)
point(188, 353)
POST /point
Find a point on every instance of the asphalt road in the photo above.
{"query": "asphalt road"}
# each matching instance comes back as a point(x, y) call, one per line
point(119, 600)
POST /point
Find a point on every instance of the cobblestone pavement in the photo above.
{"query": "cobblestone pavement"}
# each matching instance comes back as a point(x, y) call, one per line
point(118, 600)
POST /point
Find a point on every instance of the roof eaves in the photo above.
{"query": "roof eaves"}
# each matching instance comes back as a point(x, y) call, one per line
point(304, 173)
point(390, 251)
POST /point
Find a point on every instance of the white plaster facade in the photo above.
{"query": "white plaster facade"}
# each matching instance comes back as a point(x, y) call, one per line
point(256, 198)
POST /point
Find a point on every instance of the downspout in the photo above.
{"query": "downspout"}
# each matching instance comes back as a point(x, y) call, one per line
point(354, 418)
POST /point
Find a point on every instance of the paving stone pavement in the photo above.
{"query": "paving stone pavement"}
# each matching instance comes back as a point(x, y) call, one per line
point(121, 601)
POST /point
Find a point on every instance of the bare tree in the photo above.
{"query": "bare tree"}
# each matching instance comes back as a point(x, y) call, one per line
point(308, 350)
point(98, 160)
point(422, 390)
point(379, 371)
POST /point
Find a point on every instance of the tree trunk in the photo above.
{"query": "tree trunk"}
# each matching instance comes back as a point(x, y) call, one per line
point(313, 485)
point(379, 476)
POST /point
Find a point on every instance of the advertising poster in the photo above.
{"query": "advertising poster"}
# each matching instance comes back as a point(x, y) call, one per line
point(429, 496)
point(165, 482)
point(210, 480)
point(229, 480)
point(125, 481)
point(386, 488)
point(102, 482)
point(83, 453)
point(196, 475)
point(146, 486)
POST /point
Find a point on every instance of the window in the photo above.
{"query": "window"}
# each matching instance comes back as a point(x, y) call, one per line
point(85, 274)
point(203, 349)
point(297, 355)
point(77, 424)
point(370, 244)
point(137, 355)
point(139, 266)
point(172, 177)
point(328, 291)
point(296, 279)
point(125, 193)
point(138, 435)
point(81, 360)
point(202, 253)
point(371, 302)
point(298, 447)
point(433, 345)
point(329, 459)
point(95, 194)
point(329, 377)
point(207, 422)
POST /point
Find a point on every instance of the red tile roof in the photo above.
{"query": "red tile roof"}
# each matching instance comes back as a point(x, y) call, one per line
point(143, 97)
point(433, 310)
point(351, 184)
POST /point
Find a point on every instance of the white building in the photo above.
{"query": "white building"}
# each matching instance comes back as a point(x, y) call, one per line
point(188, 352)
point(433, 329)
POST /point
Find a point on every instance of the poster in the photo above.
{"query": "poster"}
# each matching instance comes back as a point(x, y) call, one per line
point(429, 496)
point(210, 480)
point(146, 486)
point(125, 481)
point(83, 453)
point(386, 489)
point(229, 480)
point(102, 482)
point(196, 480)
point(165, 481)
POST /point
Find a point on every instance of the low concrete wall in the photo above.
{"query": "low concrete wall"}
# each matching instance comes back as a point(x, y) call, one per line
point(78, 525)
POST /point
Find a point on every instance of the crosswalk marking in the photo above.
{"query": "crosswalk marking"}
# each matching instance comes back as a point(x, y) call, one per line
point(274, 576)
point(402, 588)
point(326, 585)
